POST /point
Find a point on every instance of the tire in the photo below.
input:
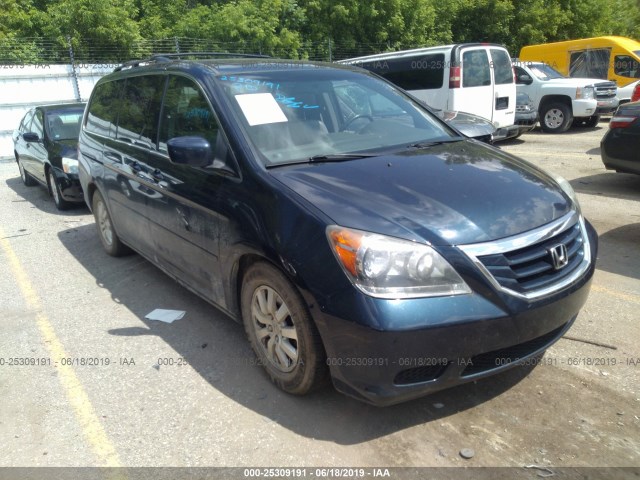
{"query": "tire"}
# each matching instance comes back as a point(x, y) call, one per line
point(27, 179)
point(556, 118)
point(108, 236)
point(288, 347)
point(54, 189)
point(592, 121)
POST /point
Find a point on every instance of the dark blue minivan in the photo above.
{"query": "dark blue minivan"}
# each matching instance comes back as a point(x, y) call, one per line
point(355, 235)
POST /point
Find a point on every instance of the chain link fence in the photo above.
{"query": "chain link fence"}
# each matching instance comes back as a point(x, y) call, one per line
point(38, 51)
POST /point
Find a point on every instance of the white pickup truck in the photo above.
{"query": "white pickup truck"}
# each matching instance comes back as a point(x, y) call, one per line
point(563, 101)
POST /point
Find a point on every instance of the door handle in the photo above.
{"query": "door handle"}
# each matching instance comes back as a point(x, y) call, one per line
point(112, 156)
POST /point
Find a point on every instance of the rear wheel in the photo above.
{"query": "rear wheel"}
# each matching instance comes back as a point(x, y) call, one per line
point(556, 118)
point(281, 331)
point(27, 179)
point(108, 236)
point(54, 188)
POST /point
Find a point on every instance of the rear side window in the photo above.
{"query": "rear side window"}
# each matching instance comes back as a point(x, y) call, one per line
point(186, 113)
point(476, 71)
point(502, 70)
point(141, 110)
point(425, 72)
point(102, 115)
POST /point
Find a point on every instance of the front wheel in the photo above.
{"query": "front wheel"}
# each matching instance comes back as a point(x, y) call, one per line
point(54, 188)
point(592, 121)
point(281, 331)
point(556, 118)
point(108, 236)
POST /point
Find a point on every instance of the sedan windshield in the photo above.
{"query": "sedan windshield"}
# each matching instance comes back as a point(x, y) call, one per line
point(545, 72)
point(323, 113)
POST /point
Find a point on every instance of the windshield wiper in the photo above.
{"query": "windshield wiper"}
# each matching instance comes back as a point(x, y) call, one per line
point(339, 157)
point(434, 143)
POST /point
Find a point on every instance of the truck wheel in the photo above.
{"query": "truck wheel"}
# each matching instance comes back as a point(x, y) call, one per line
point(556, 118)
point(592, 121)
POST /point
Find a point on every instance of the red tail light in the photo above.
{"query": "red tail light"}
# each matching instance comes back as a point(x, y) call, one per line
point(454, 77)
point(622, 121)
point(635, 96)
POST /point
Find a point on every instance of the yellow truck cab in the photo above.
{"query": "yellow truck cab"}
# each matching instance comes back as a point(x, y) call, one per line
point(610, 58)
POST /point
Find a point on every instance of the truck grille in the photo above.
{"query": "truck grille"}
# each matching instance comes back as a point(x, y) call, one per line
point(606, 90)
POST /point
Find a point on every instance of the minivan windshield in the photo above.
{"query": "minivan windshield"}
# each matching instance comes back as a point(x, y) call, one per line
point(545, 72)
point(317, 113)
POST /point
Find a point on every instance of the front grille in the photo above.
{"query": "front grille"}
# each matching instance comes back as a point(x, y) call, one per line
point(531, 268)
point(505, 356)
point(606, 90)
point(523, 108)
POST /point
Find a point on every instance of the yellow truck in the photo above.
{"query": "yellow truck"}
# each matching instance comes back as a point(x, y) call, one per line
point(610, 58)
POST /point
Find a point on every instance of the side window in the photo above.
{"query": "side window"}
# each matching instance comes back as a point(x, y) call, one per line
point(475, 69)
point(626, 66)
point(590, 63)
point(417, 73)
point(38, 124)
point(186, 113)
point(502, 71)
point(102, 116)
point(138, 123)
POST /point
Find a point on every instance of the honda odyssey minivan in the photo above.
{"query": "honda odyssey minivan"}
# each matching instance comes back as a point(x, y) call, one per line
point(354, 234)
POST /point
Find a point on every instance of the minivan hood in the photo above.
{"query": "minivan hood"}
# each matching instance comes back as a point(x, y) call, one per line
point(450, 194)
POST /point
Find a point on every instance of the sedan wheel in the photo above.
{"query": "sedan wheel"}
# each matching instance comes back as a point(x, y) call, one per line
point(281, 331)
point(54, 187)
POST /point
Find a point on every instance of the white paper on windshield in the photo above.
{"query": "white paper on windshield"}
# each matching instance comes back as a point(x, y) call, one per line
point(260, 108)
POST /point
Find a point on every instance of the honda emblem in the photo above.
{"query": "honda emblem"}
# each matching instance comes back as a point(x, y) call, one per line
point(559, 256)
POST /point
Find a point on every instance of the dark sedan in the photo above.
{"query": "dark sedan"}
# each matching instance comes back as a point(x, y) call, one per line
point(45, 147)
point(621, 143)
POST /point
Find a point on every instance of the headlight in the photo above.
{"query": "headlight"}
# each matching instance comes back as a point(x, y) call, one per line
point(70, 165)
point(387, 267)
point(568, 189)
point(585, 93)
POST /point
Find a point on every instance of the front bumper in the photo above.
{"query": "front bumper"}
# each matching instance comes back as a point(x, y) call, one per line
point(607, 105)
point(526, 121)
point(506, 133)
point(70, 188)
point(584, 108)
point(431, 344)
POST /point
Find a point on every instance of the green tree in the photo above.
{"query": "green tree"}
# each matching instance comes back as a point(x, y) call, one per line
point(107, 27)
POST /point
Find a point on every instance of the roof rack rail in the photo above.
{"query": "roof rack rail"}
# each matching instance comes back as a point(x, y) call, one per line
point(167, 57)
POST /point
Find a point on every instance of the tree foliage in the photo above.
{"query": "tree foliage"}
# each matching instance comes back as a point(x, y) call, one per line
point(302, 28)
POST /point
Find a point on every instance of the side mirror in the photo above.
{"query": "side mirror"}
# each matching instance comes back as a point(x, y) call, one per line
point(31, 137)
point(194, 151)
point(524, 79)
